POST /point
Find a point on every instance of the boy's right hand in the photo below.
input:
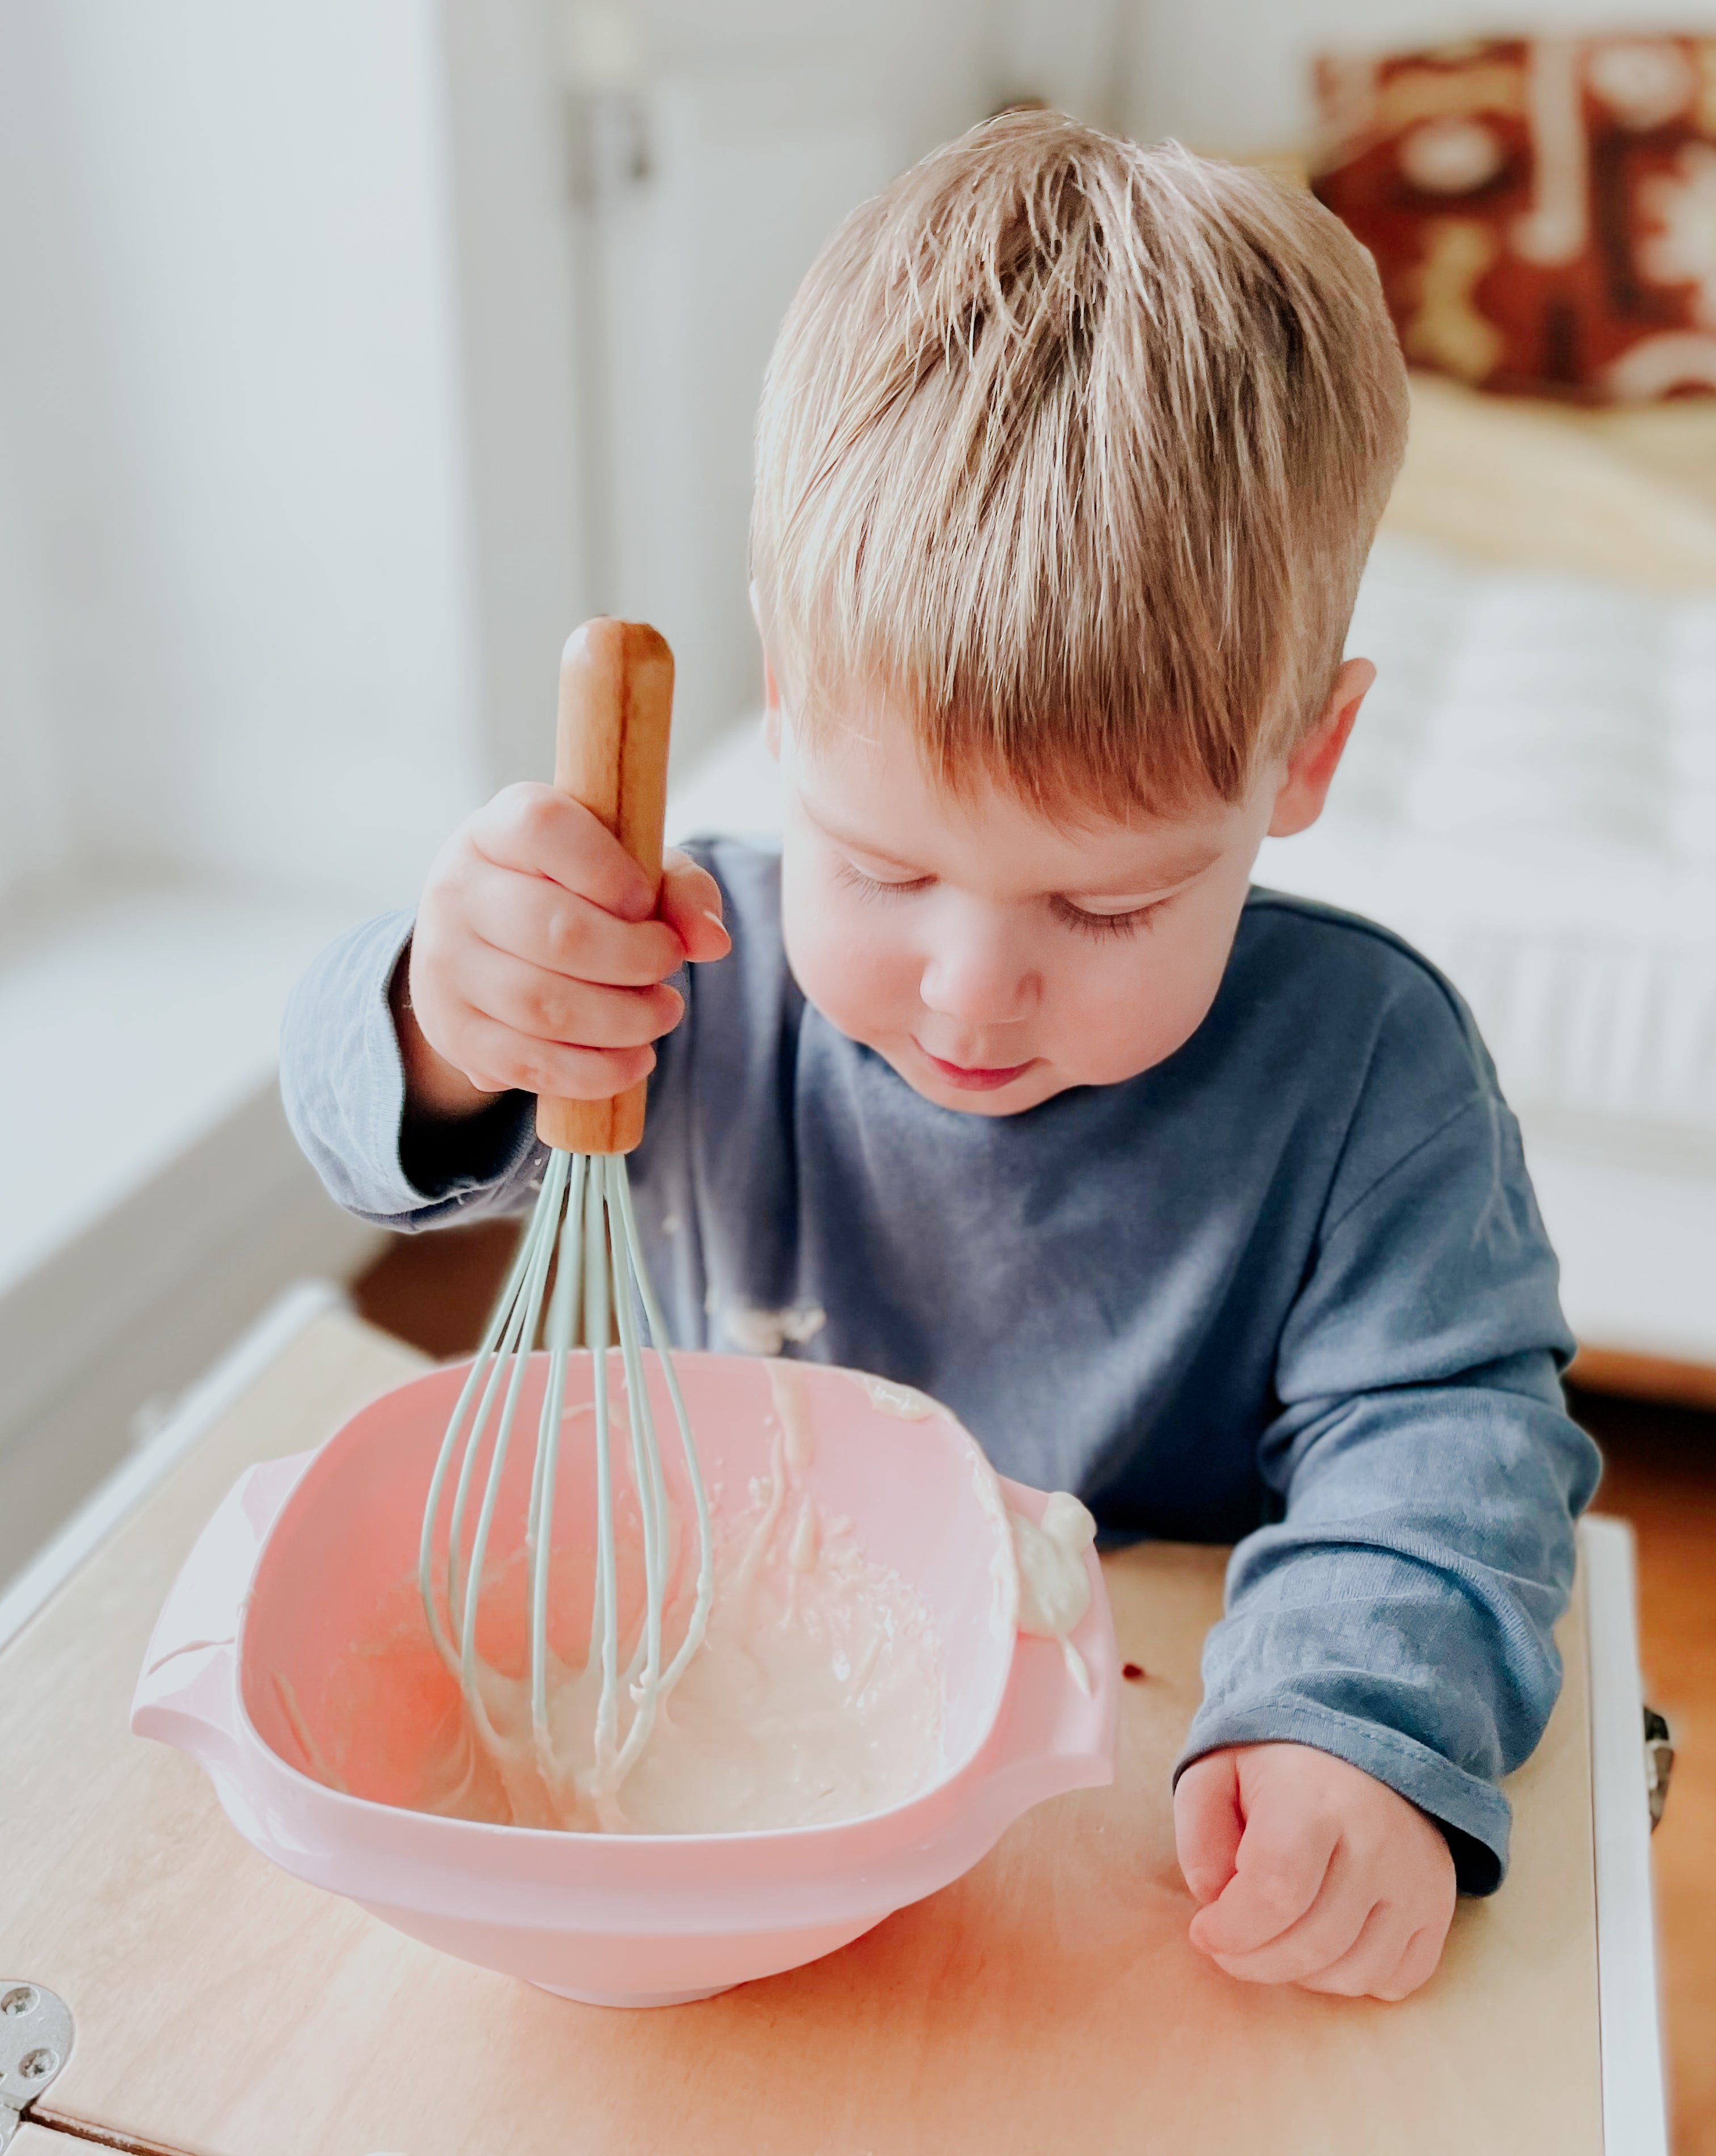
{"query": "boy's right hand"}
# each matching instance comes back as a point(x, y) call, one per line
point(538, 957)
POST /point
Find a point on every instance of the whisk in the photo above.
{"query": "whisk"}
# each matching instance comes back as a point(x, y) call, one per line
point(616, 695)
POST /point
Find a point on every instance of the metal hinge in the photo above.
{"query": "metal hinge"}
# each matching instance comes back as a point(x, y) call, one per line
point(35, 2042)
point(1659, 1762)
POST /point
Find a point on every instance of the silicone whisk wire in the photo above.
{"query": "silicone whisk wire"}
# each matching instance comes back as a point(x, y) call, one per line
point(585, 1225)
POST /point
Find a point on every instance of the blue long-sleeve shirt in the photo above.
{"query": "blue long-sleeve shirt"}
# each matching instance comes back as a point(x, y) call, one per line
point(1287, 1289)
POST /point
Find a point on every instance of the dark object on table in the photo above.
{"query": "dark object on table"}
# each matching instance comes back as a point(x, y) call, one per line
point(1659, 1762)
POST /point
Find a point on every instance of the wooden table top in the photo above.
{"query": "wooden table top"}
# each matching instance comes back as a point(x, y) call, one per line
point(1048, 2000)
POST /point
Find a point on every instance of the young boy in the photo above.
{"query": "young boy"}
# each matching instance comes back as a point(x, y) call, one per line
point(1198, 1200)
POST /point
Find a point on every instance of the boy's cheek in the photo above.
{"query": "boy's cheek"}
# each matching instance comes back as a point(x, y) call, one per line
point(854, 974)
point(1120, 1024)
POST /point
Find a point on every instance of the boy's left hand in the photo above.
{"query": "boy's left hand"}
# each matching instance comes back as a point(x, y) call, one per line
point(1310, 1872)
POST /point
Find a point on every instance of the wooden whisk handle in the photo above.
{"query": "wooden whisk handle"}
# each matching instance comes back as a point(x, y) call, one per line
point(616, 706)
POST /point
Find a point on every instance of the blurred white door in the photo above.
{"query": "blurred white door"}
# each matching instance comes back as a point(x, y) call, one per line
point(709, 195)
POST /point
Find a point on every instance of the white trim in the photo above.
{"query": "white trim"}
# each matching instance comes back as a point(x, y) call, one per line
point(1635, 2112)
point(203, 1404)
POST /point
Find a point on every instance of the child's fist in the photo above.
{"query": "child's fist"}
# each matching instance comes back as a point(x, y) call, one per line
point(539, 955)
point(1310, 1872)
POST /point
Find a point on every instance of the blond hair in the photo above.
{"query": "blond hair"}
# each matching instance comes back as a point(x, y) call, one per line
point(1078, 449)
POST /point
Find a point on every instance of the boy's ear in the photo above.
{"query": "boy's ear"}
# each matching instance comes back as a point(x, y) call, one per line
point(771, 690)
point(1311, 768)
point(770, 708)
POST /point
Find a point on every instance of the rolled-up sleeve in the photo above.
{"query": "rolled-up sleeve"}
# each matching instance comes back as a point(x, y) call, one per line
point(1401, 1612)
point(343, 1085)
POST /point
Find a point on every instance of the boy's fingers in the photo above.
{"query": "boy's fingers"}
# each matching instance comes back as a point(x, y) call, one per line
point(690, 903)
point(1416, 1965)
point(1282, 1860)
point(1369, 1962)
point(548, 925)
point(1208, 1822)
point(1391, 1958)
point(500, 1061)
point(541, 832)
point(549, 1008)
point(1331, 1929)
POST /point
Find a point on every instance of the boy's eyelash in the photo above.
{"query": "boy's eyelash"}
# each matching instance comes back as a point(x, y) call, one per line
point(873, 886)
point(1103, 926)
point(1100, 925)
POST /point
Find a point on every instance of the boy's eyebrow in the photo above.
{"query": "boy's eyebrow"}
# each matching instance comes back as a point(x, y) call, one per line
point(1176, 868)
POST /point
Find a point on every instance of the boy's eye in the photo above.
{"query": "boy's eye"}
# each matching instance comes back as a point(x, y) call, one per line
point(870, 887)
point(1103, 926)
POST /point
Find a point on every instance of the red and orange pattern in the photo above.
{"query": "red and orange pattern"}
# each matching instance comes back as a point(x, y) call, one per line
point(1543, 210)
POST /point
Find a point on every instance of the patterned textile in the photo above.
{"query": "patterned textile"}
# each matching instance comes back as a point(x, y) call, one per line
point(1543, 210)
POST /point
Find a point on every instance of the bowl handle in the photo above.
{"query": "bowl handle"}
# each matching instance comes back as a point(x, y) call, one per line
point(1052, 1735)
point(188, 1694)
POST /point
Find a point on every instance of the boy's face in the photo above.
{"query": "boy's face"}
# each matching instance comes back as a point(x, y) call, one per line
point(993, 957)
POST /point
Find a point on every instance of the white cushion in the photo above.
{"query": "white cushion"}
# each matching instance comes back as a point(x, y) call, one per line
point(1530, 798)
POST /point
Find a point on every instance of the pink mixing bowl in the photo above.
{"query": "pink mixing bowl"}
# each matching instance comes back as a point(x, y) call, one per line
point(250, 1671)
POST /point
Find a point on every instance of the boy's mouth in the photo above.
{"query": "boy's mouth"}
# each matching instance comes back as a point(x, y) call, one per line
point(970, 1080)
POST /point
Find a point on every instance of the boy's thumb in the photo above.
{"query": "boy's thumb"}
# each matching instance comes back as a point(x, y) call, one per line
point(1208, 1824)
point(690, 903)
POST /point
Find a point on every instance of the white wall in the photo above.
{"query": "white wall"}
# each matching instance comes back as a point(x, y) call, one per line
point(289, 436)
point(288, 535)
point(1235, 74)
point(65, 476)
point(33, 819)
point(513, 235)
point(922, 67)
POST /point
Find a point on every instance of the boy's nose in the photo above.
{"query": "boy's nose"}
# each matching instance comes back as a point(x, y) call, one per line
point(975, 977)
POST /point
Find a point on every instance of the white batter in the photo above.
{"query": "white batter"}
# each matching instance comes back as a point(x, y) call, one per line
point(1054, 1580)
point(816, 1698)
